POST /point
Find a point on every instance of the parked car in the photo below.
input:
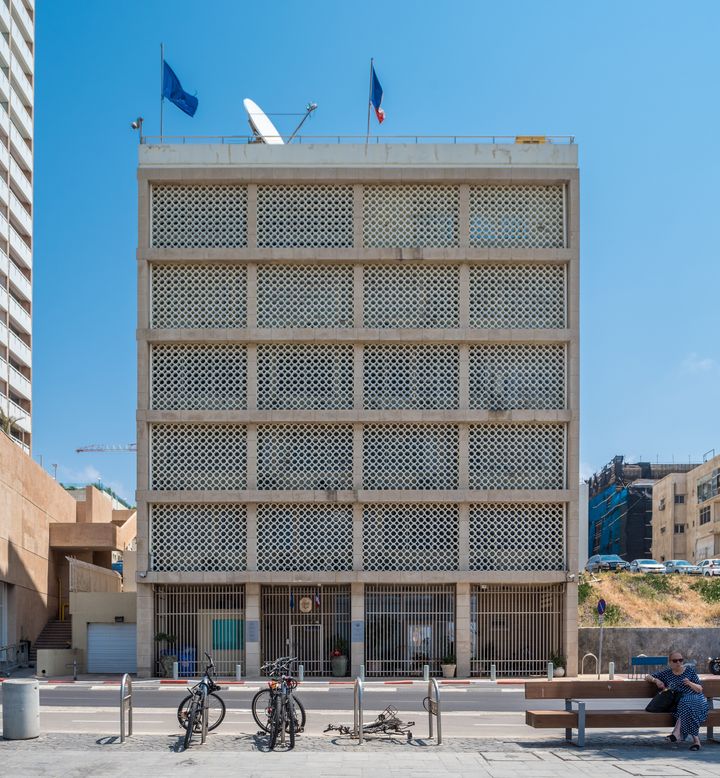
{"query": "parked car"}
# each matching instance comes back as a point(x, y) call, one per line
point(710, 567)
point(646, 566)
point(605, 562)
point(682, 566)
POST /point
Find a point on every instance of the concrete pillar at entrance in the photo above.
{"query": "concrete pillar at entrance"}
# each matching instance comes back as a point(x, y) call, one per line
point(252, 630)
point(462, 630)
point(145, 636)
point(357, 627)
point(571, 628)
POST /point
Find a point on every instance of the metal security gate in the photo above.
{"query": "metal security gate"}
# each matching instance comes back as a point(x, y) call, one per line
point(111, 648)
point(407, 627)
point(192, 619)
point(307, 622)
point(515, 628)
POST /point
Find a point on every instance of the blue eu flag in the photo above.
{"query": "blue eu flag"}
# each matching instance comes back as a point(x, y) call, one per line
point(172, 89)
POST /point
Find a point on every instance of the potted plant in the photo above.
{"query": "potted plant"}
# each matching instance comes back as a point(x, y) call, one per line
point(167, 657)
point(558, 662)
point(339, 657)
point(448, 665)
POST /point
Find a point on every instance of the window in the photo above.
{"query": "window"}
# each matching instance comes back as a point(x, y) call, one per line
point(709, 486)
point(679, 499)
point(679, 529)
point(705, 515)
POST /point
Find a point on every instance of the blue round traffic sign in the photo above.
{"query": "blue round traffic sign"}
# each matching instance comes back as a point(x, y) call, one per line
point(601, 607)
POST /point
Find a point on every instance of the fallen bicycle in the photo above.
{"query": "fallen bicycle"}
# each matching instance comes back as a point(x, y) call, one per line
point(387, 723)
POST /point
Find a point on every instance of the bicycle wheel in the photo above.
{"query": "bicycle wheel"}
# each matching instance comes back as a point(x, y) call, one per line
point(262, 709)
point(277, 722)
point(298, 714)
point(291, 723)
point(216, 711)
point(192, 716)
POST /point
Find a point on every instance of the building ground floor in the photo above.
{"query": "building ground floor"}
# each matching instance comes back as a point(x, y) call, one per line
point(391, 629)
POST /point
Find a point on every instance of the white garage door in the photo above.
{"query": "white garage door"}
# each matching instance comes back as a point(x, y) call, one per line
point(111, 648)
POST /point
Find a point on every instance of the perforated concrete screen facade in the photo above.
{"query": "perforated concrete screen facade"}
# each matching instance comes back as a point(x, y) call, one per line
point(358, 389)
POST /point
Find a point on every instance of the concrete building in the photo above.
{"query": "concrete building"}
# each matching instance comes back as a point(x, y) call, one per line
point(41, 525)
point(620, 507)
point(17, 83)
point(358, 405)
point(686, 514)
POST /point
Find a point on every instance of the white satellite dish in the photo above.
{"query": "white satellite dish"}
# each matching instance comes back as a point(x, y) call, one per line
point(263, 129)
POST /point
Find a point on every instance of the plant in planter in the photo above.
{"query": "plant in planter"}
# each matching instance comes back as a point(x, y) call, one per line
point(559, 664)
point(339, 657)
point(167, 656)
point(448, 664)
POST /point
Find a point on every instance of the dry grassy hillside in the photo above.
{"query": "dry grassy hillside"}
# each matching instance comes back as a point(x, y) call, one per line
point(640, 600)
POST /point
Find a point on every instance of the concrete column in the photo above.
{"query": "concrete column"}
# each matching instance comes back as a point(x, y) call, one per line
point(571, 627)
point(252, 630)
point(251, 538)
point(464, 377)
point(357, 627)
point(252, 216)
point(464, 292)
point(462, 629)
point(145, 636)
point(358, 376)
point(251, 377)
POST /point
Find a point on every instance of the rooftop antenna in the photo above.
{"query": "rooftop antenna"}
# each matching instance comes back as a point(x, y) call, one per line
point(264, 130)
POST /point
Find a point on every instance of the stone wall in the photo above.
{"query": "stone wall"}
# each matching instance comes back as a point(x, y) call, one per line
point(620, 643)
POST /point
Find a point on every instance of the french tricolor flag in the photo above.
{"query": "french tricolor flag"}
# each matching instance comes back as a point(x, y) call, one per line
point(376, 95)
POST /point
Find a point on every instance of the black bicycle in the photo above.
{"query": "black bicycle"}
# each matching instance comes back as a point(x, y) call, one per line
point(202, 699)
point(263, 703)
point(284, 716)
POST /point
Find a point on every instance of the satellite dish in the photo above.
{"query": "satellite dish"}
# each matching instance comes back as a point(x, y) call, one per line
point(263, 129)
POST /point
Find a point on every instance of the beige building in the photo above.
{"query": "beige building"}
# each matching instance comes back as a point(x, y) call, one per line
point(358, 405)
point(686, 514)
point(41, 525)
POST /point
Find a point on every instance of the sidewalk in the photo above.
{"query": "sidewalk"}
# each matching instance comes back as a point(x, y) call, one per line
point(609, 756)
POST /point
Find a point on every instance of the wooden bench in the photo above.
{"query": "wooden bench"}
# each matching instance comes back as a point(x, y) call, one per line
point(575, 692)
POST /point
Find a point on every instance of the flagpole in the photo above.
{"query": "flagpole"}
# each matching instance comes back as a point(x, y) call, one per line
point(367, 136)
point(162, 63)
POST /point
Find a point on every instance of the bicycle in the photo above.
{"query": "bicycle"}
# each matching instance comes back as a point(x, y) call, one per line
point(202, 707)
point(263, 702)
point(284, 716)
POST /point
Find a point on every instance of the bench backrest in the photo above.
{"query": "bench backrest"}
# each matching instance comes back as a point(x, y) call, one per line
point(601, 690)
point(641, 661)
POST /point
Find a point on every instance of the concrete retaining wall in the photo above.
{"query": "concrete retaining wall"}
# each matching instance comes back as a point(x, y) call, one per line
point(620, 643)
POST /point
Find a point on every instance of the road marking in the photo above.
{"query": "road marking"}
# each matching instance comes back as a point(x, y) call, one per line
point(114, 721)
point(512, 691)
point(381, 689)
point(453, 690)
point(107, 688)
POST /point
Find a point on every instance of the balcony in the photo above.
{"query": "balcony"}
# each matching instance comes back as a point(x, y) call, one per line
point(5, 57)
point(21, 415)
point(90, 536)
point(3, 334)
point(3, 227)
point(4, 263)
point(4, 86)
point(19, 214)
point(21, 351)
point(4, 192)
point(20, 179)
point(23, 53)
point(19, 316)
point(4, 18)
point(21, 83)
point(19, 383)
point(22, 17)
point(3, 299)
point(20, 147)
point(18, 282)
point(19, 249)
point(20, 115)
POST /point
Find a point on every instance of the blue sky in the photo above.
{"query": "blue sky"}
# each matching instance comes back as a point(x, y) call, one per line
point(635, 82)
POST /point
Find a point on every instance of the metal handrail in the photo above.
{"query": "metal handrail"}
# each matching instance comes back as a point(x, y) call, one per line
point(360, 139)
point(125, 701)
point(597, 664)
point(434, 709)
point(358, 709)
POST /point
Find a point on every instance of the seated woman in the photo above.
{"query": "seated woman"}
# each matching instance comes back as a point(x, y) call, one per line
point(692, 707)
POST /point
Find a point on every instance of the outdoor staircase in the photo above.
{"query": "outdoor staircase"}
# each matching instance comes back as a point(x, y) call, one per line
point(56, 634)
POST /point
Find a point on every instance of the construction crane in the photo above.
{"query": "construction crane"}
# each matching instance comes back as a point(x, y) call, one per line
point(102, 448)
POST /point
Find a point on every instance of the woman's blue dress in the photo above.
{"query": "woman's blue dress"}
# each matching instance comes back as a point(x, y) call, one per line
point(692, 707)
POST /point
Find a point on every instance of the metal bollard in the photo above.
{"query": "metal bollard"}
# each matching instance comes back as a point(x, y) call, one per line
point(238, 672)
point(176, 670)
point(126, 702)
point(362, 672)
point(611, 671)
point(426, 673)
point(550, 671)
point(21, 709)
point(434, 702)
point(358, 709)
point(493, 673)
point(301, 672)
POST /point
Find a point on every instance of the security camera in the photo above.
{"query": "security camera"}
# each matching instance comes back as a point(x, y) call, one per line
point(137, 124)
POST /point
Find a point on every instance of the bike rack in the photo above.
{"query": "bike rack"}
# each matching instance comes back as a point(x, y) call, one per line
point(582, 664)
point(433, 709)
point(358, 709)
point(125, 702)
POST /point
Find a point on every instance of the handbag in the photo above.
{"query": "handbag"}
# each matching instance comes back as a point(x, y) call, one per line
point(663, 702)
